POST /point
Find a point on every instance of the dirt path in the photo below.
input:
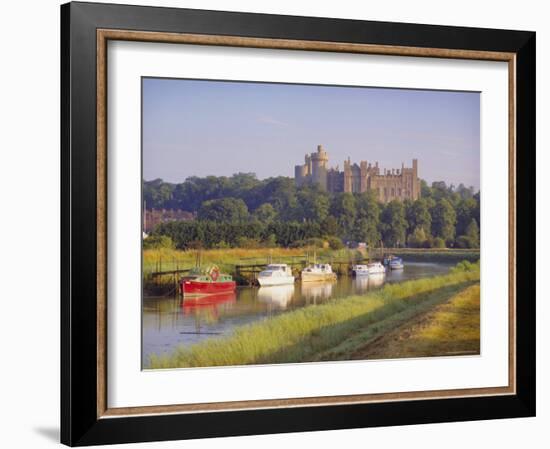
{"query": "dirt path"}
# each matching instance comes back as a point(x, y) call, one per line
point(449, 329)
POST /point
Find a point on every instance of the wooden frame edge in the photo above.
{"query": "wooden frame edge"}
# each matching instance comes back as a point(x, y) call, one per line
point(101, 166)
point(103, 36)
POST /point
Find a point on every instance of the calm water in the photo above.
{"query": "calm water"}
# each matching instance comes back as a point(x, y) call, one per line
point(168, 322)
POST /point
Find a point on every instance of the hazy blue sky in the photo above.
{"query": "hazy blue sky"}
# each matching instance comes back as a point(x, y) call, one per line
point(199, 128)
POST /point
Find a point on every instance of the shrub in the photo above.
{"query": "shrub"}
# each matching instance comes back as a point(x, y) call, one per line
point(334, 242)
point(317, 243)
point(465, 266)
point(157, 242)
point(246, 242)
point(464, 242)
point(418, 238)
point(298, 244)
point(438, 242)
point(270, 241)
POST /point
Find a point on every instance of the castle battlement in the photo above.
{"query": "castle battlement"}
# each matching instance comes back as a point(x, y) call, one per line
point(392, 184)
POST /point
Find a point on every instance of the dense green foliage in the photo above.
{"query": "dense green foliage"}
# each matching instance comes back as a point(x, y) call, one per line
point(243, 210)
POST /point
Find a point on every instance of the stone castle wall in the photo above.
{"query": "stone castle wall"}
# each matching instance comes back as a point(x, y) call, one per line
point(394, 184)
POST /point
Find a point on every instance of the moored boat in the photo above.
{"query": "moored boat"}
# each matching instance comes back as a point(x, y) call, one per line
point(318, 272)
point(376, 268)
point(209, 283)
point(396, 263)
point(276, 274)
point(359, 270)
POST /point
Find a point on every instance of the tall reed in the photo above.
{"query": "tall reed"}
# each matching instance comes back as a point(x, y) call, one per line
point(292, 336)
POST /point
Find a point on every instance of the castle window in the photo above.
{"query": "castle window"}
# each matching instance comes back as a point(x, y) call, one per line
point(392, 192)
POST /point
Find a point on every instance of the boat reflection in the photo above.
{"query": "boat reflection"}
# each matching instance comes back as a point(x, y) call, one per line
point(364, 283)
point(316, 291)
point(276, 296)
point(208, 302)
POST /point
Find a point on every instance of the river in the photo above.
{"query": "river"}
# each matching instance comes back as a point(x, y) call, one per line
point(169, 322)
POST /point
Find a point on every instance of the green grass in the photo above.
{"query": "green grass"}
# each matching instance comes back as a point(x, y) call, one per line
point(449, 329)
point(303, 334)
point(436, 255)
point(169, 259)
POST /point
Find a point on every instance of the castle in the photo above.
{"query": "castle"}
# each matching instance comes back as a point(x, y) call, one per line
point(391, 185)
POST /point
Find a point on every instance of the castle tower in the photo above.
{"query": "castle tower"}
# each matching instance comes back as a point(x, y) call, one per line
point(415, 180)
point(319, 162)
point(364, 176)
point(347, 176)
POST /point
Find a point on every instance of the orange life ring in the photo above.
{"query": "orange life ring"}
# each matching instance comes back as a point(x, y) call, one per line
point(214, 274)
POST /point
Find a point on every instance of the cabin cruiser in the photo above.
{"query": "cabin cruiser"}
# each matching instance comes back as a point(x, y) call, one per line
point(376, 268)
point(318, 272)
point(396, 263)
point(359, 270)
point(276, 274)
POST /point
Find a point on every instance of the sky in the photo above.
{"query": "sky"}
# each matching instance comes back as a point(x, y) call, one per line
point(200, 128)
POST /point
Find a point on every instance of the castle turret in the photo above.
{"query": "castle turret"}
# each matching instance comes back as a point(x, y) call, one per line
point(363, 176)
point(415, 180)
point(319, 162)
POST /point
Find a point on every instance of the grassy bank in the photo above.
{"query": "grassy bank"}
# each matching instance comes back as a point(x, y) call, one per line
point(169, 259)
point(157, 260)
point(451, 328)
point(450, 255)
point(305, 334)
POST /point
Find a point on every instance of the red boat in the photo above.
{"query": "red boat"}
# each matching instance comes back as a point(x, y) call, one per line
point(212, 282)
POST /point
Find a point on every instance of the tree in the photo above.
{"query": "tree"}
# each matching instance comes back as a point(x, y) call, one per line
point(224, 210)
point(465, 212)
point(329, 226)
point(343, 208)
point(313, 204)
point(425, 190)
point(418, 216)
point(472, 232)
point(418, 238)
point(265, 213)
point(444, 220)
point(368, 220)
point(394, 224)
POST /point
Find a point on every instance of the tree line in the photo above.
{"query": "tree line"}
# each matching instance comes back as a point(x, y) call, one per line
point(243, 211)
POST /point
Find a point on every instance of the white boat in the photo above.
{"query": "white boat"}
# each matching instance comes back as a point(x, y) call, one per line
point(318, 272)
point(396, 263)
point(360, 270)
point(276, 274)
point(376, 268)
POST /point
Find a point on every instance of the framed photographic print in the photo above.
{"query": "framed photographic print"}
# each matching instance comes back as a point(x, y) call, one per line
point(280, 224)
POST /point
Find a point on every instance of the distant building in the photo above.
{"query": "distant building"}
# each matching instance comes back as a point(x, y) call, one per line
point(399, 184)
point(154, 217)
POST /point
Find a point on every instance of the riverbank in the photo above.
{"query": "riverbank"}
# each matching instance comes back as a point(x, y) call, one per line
point(452, 255)
point(309, 333)
point(448, 329)
point(168, 260)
